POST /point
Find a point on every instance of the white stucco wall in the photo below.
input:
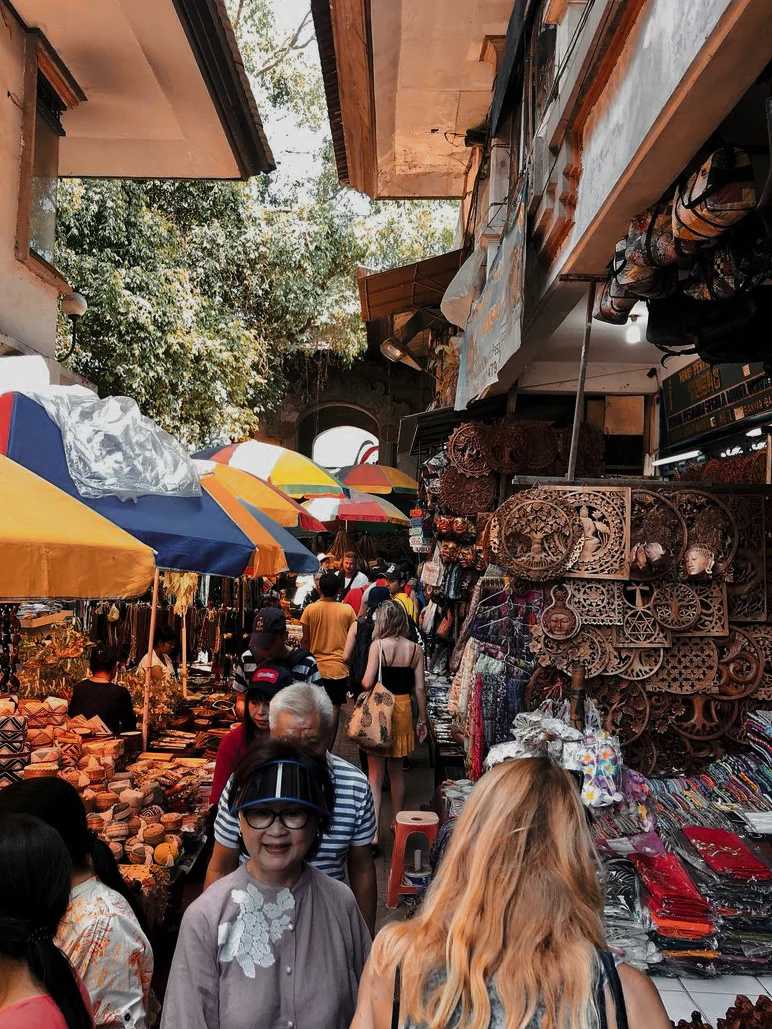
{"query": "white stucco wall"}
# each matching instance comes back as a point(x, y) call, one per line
point(28, 306)
point(664, 44)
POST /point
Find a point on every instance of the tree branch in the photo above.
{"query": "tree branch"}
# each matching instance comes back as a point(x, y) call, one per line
point(239, 12)
point(291, 45)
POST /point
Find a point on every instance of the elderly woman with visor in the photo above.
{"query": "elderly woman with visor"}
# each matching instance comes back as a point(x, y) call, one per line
point(275, 943)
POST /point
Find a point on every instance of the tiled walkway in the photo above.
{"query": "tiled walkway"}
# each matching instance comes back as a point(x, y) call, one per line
point(710, 996)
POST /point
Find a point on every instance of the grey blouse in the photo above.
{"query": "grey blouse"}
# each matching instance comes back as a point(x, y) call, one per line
point(251, 956)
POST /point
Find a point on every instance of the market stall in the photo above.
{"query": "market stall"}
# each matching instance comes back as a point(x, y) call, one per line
point(623, 627)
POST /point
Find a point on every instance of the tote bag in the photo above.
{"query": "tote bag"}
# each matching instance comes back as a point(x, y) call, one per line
point(370, 723)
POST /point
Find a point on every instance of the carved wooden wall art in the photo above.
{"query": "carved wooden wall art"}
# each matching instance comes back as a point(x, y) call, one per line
point(657, 536)
point(639, 626)
point(559, 619)
point(588, 649)
point(625, 707)
point(464, 495)
point(604, 515)
point(641, 754)
point(620, 659)
point(676, 606)
point(542, 446)
point(466, 450)
point(747, 590)
point(599, 602)
point(711, 541)
point(740, 665)
point(546, 683)
point(689, 666)
point(643, 662)
point(705, 718)
point(762, 637)
point(506, 447)
point(714, 616)
point(537, 536)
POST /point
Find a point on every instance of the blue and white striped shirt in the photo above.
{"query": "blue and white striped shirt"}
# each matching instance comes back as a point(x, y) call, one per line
point(352, 825)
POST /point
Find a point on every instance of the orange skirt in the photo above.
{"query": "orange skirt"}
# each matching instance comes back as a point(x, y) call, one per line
point(402, 731)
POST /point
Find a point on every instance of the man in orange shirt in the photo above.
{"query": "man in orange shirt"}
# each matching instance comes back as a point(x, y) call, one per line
point(325, 629)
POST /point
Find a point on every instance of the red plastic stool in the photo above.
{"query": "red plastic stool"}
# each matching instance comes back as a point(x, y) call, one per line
point(408, 823)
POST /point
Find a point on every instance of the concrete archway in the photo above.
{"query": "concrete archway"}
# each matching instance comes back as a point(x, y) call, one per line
point(329, 416)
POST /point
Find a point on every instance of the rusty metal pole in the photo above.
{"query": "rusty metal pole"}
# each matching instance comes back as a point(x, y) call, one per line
point(579, 408)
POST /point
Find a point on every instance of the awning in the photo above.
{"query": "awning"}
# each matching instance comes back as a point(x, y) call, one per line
point(409, 288)
point(419, 433)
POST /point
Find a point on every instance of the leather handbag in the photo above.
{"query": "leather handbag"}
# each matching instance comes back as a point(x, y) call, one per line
point(370, 723)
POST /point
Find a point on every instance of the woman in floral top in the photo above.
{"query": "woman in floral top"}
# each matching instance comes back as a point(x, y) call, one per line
point(100, 932)
point(275, 943)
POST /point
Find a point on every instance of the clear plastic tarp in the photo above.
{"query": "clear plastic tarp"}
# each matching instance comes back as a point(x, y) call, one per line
point(112, 449)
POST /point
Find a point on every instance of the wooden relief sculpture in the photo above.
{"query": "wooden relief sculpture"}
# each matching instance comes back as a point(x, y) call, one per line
point(604, 515)
point(714, 618)
point(711, 535)
point(506, 447)
point(560, 620)
point(676, 606)
point(466, 451)
point(598, 602)
point(537, 536)
point(689, 666)
point(747, 588)
point(466, 496)
point(639, 626)
point(657, 536)
point(740, 665)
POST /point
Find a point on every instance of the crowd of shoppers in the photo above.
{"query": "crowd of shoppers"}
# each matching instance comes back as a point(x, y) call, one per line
point(281, 934)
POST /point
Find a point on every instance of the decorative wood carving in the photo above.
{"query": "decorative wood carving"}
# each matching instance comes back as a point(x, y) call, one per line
point(589, 649)
point(535, 536)
point(466, 496)
point(643, 662)
point(466, 450)
point(714, 617)
point(689, 666)
point(604, 515)
point(657, 536)
point(625, 707)
point(639, 626)
point(747, 589)
point(599, 602)
point(676, 606)
point(560, 620)
point(762, 637)
point(711, 541)
point(740, 665)
point(705, 718)
point(506, 447)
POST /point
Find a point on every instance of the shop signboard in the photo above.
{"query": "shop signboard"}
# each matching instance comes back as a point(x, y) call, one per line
point(700, 399)
point(493, 332)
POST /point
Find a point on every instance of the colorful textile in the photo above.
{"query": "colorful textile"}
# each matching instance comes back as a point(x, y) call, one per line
point(105, 945)
point(726, 854)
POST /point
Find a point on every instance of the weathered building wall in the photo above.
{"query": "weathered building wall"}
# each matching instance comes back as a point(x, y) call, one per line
point(28, 307)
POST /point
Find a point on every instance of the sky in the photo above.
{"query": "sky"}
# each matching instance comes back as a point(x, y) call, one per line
point(340, 446)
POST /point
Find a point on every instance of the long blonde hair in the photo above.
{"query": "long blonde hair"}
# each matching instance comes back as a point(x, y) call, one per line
point(390, 621)
point(516, 902)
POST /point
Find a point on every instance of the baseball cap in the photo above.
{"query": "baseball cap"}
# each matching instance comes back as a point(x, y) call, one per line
point(394, 573)
point(323, 557)
point(269, 623)
point(376, 595)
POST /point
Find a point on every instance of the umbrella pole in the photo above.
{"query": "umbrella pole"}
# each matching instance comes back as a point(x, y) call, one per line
point(184, 668)
point(149, 666)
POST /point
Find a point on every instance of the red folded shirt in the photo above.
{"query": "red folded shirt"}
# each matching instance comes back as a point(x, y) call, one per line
point(726, 854)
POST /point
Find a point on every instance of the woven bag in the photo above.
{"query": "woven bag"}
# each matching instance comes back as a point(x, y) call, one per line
point(370, 723)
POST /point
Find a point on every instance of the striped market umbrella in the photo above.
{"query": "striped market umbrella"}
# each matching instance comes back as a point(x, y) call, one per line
point(291, 472)
point(380, 479)
point(52, 545)
point(273, 502)
point(359, 508)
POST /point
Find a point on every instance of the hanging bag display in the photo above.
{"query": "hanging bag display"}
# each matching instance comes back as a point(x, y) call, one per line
point(716, 197)
point(370, 724)
point(640, 281)
point(650, 239)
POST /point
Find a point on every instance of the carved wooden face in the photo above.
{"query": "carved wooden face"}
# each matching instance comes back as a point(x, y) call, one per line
point(699, 561)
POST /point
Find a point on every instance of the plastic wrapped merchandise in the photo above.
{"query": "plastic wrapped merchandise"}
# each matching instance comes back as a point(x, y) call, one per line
point(112, 449)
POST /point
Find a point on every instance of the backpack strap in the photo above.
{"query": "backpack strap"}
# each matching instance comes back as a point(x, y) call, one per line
point(610, 976)
point(396, 1001)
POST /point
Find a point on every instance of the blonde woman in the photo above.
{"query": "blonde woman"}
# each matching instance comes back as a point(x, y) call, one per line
point(398, 663)
point(510, 935)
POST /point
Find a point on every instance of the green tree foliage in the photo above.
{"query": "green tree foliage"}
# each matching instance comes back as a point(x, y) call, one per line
point(209, 301)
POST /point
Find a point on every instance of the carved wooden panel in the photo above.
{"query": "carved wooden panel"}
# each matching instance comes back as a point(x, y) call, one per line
point(711, 532)
point(535, 535)
point(604, 515)
point(689, 666)
point(657, 536)
point(747, 590)
point(466, 450)
point(599, 602)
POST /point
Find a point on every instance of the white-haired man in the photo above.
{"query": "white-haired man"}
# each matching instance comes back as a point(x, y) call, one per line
point(304, 714)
